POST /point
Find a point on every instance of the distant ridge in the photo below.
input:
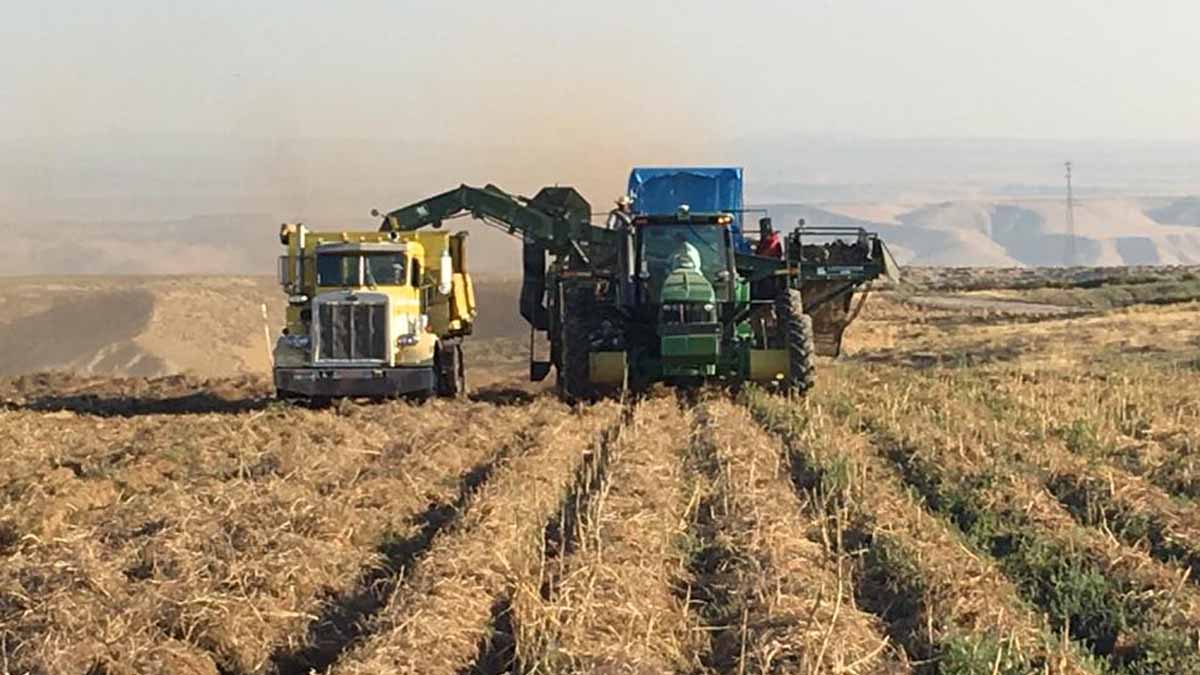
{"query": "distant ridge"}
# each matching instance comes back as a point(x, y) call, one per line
point(1024, 233)
point(1184, 211)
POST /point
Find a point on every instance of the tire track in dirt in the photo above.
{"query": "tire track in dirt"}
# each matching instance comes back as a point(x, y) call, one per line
point(612, 604)
point(437, 619)
point(774, 600)
point(560, 539)
point(343, 621)
point(951, 609)
point(505, 648)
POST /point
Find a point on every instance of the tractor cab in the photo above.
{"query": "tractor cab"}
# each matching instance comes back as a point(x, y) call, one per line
point(686, 271)
point(682, 250)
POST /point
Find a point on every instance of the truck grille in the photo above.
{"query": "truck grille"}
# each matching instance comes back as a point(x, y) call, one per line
point(352, 331)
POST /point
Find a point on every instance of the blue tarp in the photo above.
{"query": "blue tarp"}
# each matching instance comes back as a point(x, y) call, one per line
point(703, 189)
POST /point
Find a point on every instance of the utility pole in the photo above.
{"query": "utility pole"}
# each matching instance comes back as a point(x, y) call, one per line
point(1070, 261)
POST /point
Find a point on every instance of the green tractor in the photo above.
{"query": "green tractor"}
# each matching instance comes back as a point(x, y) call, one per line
point(673, 297)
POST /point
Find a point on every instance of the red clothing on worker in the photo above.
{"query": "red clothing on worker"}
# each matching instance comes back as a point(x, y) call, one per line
point(770, 246)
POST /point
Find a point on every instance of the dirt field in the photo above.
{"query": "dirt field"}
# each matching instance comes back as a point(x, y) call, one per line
point(970, 490)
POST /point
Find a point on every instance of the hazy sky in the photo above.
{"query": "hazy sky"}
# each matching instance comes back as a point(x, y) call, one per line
point(586, 73)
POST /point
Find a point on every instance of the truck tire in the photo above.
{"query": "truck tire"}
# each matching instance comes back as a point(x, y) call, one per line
point(797, 330)
point(449, 372)
point(574, 377)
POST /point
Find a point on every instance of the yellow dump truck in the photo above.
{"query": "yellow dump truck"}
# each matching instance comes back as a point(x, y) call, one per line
point(373, 314)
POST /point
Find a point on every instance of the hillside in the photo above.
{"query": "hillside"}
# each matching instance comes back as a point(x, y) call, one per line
point(207, 326)
point(141, 326)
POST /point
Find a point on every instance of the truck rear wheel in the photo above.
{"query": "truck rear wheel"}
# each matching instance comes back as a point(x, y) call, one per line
point(797, 328)
point(449, 371)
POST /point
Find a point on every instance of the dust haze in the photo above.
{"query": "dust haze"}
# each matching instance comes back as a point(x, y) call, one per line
point(173, 139)
point(139, 203)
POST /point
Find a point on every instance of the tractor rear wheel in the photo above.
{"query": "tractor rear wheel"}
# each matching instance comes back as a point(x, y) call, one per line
point(797, 328)
point(574, 377)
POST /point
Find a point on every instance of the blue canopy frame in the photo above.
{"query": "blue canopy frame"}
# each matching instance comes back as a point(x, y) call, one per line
point(662, 190)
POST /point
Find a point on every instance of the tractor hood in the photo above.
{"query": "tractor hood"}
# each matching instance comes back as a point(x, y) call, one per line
point(686, 285)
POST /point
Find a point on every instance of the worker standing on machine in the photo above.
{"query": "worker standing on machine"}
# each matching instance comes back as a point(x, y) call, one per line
point(621, 218)
point(769, 243)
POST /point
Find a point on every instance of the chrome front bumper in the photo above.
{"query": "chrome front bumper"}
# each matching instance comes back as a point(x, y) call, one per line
point(354, 382)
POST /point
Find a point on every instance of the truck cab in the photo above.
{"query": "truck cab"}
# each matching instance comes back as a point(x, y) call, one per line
point(372, 314)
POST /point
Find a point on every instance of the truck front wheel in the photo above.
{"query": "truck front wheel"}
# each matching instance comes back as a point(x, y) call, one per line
point(449, 371)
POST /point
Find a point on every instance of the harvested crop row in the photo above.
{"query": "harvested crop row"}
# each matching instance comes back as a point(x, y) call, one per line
point(970, 466)
point(1101, 494)
point(613, 605)
point(77, 455)
point(940, 601)
point(1085, 480)
point(92, 436)
point(1138, 512)
point(1142, 418)
point(42, 449)
point(237, 566)
point(1096, 490)
point(441, 619)
point(787, 601)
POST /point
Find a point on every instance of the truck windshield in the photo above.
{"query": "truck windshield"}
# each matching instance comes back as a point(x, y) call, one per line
point(338, 270)
point(666, 248)
point(378, 269)
point(384, 269)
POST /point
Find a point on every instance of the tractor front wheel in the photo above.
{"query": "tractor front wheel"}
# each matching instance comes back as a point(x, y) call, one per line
point(797, 328)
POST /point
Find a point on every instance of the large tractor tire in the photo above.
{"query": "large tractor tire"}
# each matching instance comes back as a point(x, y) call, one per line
point(574, 377)
point(797, 330)
point(450, 373)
